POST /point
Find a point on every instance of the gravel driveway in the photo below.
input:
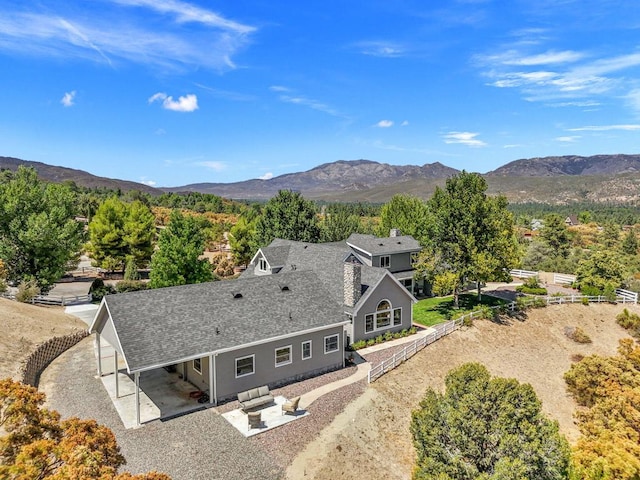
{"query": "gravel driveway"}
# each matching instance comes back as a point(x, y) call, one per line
point(197, 446)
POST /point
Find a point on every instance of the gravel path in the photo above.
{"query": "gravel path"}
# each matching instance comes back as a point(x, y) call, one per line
point(199, 445)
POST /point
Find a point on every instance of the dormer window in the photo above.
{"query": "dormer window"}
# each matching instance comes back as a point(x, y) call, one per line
point(385, 261)
point(262, 264)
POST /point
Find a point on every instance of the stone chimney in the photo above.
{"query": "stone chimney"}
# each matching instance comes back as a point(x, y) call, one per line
point(352, 283)
point(395, 232)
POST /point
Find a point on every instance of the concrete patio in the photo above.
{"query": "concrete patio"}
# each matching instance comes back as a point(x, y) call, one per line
point(163, 395)
point(271, 416)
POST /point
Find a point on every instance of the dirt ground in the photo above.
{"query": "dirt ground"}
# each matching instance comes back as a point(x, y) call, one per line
point(23, 327)
point(372, 434)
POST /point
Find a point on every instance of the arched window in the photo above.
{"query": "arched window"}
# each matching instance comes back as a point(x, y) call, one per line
point(384, 305)
point(384, 317)
point(383, 314)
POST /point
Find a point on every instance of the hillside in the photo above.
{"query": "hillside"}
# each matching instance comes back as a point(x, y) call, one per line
point(344, 176)
point(52, 173)
point(570, 165)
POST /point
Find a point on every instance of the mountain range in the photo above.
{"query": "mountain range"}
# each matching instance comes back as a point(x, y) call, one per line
point(559, 179)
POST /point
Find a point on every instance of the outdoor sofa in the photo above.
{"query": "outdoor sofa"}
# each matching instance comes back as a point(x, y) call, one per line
point(256, 397)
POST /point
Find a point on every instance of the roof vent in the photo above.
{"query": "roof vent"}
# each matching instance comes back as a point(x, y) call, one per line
point(217, 331)
point(284, 288)
point(237, 295)
point(293, 266)
point(306, 246)
point(381, 244)
point(399, 243)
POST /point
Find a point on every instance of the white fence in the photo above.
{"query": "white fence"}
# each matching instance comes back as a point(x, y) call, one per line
point(627, 295)
point(562, 278)
point(523, 273)
point(55, 300)
point(446, 328)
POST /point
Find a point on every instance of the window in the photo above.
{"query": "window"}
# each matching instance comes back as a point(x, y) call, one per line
point(384, 317)
point(397, 316)
point(197, 365)
point(385, 261)
point(245, 366)
point(306, 350)
point(368, 323)
point(283, 356)
point(262, 264)
point(331, 344)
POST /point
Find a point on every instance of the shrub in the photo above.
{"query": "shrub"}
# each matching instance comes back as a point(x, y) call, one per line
point(610, 293)
point(388, 336)
point(487, 312)
point(124, 286)
point(628, 320)
point(412, 330)
point(27, 291)
point(590, 291)
point(467, 321)
point(585, 300)
point(539, 302)
point(358, 345)
point(577, 335)
point(131, 270)
point(531, 290)
point(99, 289)
point(371, 342)
point(379, 339)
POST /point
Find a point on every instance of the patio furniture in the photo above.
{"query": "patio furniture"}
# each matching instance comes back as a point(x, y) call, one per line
point(255, 397)
point(255, 420)
point(290, 406)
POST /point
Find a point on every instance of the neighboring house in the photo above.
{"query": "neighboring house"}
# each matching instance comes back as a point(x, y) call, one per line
point(572, 220)
point(537, 224)
point(288, 317)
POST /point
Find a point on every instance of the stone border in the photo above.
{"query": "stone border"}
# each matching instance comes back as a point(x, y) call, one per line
point(44, 354)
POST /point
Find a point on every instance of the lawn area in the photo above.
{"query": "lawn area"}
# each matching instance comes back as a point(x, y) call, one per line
point(431, 311)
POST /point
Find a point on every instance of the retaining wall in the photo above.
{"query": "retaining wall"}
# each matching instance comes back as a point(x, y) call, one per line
point(45, 353)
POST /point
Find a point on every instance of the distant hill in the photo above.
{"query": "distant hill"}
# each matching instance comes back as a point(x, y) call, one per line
point(343, 176)
point(570, 165)
point(81, 178)
point(566, 179)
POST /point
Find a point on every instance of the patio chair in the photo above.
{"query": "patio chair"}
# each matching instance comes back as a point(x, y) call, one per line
point(290, 406)
point(255, 420)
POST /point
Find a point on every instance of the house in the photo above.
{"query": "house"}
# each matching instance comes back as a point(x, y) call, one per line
point(571, 221)
point(288, 317)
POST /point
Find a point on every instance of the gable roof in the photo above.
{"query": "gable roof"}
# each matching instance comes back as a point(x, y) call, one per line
point(174, 324)
point(373, 245)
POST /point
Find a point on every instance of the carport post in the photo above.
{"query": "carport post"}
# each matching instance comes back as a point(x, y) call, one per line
point(137, 378)
point(212, 379)
point(99, 354)
point(115, 372)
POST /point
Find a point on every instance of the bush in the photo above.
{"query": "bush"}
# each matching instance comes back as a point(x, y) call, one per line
point(539, 302)
point(627, 320)
point(610, 293)
point(99, 289)
point(590, 291)
point(467, 321)
point(577, 335)
point(358, 345)
point(585, 300)
point(371, 342)
point(27, 291)
point(531, 290)
point(124, 286)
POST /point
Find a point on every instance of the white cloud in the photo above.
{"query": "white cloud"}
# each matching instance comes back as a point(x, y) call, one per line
point(186, 103)
point(513, 57)
point(146, 32)
point(266, 176)
point(384, 124)
point(313, 104)
point(160, 132)
point(215, 166)
point(568, 139)
point(144, 181)
point(464, 138)
point(68, 99)
point(605, 128)
point(404, 123)
point(278, 88)
point(381, 49)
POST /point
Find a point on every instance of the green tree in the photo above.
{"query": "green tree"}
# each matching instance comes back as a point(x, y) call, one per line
point(177, 260)
point(486, 428)
point(556, 235)
point(290, 216)
point(338, 224)
point(610, 236)
point(630, 243)
point(242, 240)
point(601, 270)
point(39, 237)
point(119, 231)
point(471, 233)
point(407, 213)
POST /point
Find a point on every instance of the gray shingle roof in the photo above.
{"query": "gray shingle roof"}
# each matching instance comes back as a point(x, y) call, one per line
point(383, 246)
point(326, 260)
point(276, 256)
point(167, 325)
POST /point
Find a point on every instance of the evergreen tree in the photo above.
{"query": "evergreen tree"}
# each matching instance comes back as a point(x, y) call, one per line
point(290, 216)
point(556, 235)
point(630, 243)
point(487, 429)
point(177, 260)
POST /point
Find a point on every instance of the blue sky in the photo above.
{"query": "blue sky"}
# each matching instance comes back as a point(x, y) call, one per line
point(171, 92)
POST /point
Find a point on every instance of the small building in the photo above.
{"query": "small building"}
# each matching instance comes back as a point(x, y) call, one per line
point(572, 221)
